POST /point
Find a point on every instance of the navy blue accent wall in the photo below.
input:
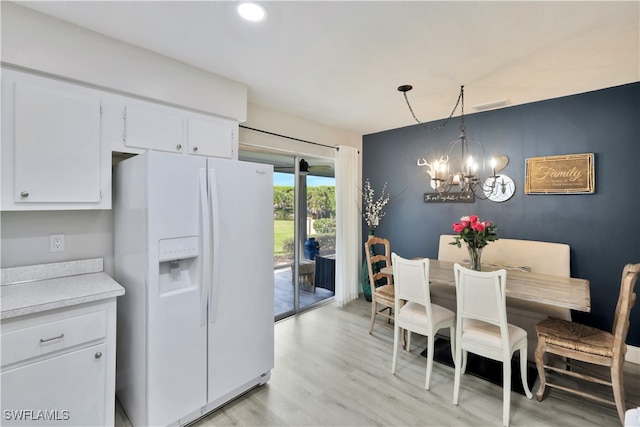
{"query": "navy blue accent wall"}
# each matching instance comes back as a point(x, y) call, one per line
point(601, 228)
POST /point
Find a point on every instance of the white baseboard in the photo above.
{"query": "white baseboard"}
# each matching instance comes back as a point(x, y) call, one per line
point(633, 354)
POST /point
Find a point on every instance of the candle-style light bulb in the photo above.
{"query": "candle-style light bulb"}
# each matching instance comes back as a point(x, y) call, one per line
point(469, 164)
point(493, 166)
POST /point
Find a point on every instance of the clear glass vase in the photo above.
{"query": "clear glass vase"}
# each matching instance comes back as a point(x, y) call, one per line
point(475, 254)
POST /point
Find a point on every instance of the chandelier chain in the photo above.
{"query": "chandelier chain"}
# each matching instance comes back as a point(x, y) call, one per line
point(455, 107)
point(442, 178)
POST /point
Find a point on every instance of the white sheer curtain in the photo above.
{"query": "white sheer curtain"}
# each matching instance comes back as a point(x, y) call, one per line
point(347, 225)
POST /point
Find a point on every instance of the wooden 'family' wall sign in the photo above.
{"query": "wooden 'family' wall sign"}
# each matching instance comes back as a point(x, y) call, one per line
point(573, 173)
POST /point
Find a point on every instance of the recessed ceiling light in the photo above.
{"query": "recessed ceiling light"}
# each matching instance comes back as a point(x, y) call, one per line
point(253, 12)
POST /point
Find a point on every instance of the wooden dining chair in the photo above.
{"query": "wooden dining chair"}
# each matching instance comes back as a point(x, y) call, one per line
point(382, 289)
point(482, 328)
point(414, 311)
point(566, 342)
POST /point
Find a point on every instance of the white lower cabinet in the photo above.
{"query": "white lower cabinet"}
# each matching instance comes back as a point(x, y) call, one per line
point(67, 389)
point(58, 367)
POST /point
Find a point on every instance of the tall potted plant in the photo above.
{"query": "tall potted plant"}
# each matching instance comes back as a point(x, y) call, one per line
point(372, 212)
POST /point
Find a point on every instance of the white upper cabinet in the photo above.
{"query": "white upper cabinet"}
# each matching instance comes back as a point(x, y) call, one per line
point(149, 126)
point(57, 145)
point(52, 156)
point(211, 137)
point(146, 125)
point(58, 138)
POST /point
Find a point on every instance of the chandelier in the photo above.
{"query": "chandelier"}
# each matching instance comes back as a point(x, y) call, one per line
point(458, 168)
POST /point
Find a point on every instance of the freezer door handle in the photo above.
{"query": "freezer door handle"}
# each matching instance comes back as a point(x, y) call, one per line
point(215, 258)
point(206, 243)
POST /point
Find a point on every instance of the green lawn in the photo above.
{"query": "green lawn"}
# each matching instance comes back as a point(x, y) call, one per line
point(282, 229)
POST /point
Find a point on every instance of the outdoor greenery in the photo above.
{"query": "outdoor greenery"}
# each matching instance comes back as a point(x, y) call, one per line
point(321, 202)
point(325, 225)
point(326, 241)
point(283, 203)
point(283, 230)
point(321, 206)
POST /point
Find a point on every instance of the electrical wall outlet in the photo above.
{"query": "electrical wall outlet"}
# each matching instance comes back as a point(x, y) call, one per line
point(56, 243)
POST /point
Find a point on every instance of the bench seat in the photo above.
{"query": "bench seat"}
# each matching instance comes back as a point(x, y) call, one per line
point(534, 256)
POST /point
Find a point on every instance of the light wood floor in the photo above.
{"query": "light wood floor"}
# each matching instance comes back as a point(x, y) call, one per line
point(330, 372)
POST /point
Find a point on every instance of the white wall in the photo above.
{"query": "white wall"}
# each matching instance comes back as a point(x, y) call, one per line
point(44, 44)
point(262, 118)
point(25, 237)
point(36, 41)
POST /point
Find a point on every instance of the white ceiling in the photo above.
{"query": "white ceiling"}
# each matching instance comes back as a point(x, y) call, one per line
point(340, 63)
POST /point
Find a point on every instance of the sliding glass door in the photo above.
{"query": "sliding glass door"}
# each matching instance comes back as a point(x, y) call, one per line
point(304, 236)
point(304, 230)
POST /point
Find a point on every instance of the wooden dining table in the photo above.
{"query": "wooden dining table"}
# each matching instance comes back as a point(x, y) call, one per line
point(559, 291)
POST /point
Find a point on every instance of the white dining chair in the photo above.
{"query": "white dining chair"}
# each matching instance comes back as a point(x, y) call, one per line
point(414, 311)
point(482, 329)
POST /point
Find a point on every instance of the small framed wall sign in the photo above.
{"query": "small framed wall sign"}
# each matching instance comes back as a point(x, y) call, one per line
point(468, 197)
point(569, 174)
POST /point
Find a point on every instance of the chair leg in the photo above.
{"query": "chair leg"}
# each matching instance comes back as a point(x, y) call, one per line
point(373, 316)
point(523, 372)
point(618, 389)
point(540, 350)
point(430, 352)
point(458, 373)
point(506, 391)
point(464, 361)
point(403, 339)
point(452, 342)
point(396, 333)
point(407, 345)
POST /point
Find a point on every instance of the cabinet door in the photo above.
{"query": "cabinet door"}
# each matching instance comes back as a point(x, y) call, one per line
point(56, 144)
point(69, 390)
point(211, 137)
point(154, 127)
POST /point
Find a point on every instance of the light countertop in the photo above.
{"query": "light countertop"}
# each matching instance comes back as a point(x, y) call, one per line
point(32, 289)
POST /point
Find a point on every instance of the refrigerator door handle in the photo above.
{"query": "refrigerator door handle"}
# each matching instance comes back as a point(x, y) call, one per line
point(215, 258)
point(206, 244)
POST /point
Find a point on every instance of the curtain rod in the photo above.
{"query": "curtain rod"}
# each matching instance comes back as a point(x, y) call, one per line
point(290, 137)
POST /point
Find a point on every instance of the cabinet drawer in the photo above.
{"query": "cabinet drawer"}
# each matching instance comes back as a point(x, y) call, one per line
point(37, 340)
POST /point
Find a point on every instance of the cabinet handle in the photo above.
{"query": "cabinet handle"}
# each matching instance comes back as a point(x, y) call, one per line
point(195, 149)
point(51, 339)
point(24, 194)
point(98, 355)
point(179, 147)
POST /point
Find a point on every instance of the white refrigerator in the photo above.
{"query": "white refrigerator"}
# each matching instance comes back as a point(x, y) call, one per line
point(193, 243)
